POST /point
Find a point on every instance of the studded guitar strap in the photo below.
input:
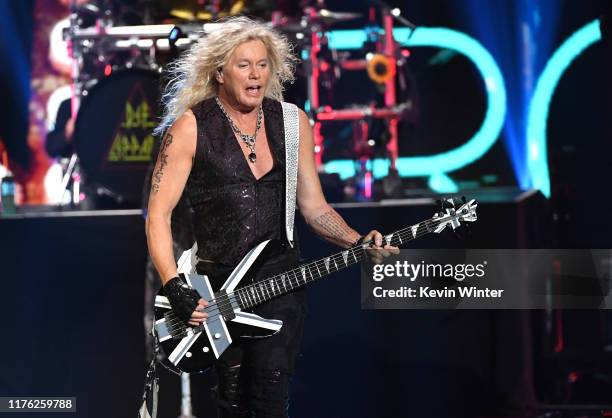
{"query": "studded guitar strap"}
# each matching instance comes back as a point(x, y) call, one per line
point(292, 142)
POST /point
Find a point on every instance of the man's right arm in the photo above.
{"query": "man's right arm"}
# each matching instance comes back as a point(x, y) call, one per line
point(168, 181)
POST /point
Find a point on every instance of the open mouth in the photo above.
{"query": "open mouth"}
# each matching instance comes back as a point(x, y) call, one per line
point(254, 90)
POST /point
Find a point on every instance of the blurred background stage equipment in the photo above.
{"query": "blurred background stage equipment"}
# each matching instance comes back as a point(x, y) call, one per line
point(115, 81)
point(505, 102)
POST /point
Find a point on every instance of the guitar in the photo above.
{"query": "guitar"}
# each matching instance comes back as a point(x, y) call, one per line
point(193, 349)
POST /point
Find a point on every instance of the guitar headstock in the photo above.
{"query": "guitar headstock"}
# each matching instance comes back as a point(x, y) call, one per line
point(453, 216)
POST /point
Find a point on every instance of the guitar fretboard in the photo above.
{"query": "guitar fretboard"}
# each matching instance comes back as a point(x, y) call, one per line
point(271, 287)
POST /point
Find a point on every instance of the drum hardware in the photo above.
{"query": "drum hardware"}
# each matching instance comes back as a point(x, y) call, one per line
point(394, 12)
point(378, 67)
point(363, 148)
point(103, 191)
point(114, 165)
point(97, 53)
point(112, 48)
point(325, 18)
point(122, 32)
point(361, 112)
point(94, 9)
point(68, 175)
point(329, 17)
point(288, 25)
point(74, 50)
point(113, 132)
point(381, 64)
point(78, 48)
point(202, 16)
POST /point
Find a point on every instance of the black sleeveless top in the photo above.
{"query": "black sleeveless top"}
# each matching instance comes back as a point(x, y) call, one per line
point(232, 210)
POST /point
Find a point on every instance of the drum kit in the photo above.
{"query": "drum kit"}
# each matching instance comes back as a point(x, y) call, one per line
point(117, 73)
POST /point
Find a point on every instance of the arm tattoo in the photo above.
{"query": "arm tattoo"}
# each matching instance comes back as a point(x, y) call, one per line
point(334, 225)
point(163, 162)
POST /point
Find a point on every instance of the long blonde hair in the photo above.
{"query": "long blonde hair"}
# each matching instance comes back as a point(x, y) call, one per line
point(192, 75)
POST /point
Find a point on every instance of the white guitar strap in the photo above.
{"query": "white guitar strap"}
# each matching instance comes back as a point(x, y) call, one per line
point(292, 145)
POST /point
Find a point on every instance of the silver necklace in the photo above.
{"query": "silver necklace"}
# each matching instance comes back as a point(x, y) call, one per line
point(249, 140)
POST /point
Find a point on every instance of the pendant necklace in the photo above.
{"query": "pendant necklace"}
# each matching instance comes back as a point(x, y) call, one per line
point(249, 140)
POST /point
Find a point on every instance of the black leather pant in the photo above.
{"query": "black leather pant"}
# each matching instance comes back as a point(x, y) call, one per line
point(245, 392)
point(254, 374)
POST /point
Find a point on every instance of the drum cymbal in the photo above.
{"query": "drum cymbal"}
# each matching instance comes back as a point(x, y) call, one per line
point(293, 26)
point(190, 16)
point(187, 14)
point(87, 8)
point(182, 14)
point(329, 16)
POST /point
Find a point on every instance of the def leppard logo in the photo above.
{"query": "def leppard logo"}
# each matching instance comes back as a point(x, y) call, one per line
point(133, 141)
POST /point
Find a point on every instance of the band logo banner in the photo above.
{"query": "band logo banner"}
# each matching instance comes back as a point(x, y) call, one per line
point(133, 141)
point(489, 279)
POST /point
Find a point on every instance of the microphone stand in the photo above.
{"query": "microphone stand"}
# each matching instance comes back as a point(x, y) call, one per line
point(383, 5)
point(71, 169)
point(186, 411)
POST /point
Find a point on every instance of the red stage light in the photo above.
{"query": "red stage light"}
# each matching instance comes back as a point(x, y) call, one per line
point(573, 377)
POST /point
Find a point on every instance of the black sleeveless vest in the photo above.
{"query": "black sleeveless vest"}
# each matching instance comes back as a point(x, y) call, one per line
point(232, 210)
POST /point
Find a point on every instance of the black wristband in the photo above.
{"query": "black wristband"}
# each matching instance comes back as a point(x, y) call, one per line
point(183, 298)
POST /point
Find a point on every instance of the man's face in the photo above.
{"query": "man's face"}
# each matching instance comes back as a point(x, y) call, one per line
point(244, 79)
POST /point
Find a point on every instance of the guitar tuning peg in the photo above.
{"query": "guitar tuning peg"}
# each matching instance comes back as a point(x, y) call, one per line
point(445, 203)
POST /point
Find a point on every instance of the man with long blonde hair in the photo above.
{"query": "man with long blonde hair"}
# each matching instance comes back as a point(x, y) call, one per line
point(228, 143)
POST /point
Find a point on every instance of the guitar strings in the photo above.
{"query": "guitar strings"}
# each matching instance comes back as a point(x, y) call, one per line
point(338, 257)
point(401, 236)
point(214, 310)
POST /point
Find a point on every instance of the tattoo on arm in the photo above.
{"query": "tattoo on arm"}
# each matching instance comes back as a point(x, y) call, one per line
point(332, 224)
point(163, 162)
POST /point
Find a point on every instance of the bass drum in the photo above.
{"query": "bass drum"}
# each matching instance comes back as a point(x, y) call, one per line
point(113, 133)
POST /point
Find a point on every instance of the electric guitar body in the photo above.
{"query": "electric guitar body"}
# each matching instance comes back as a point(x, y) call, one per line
point(197, 348)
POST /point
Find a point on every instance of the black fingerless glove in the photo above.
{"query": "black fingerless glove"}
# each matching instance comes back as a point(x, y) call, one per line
point(183, 298)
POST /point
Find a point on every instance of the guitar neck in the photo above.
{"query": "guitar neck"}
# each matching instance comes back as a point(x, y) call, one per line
point(271, 287)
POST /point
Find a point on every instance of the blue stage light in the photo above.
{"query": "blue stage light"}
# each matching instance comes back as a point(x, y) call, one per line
point(475, 147)
point(540, 103)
